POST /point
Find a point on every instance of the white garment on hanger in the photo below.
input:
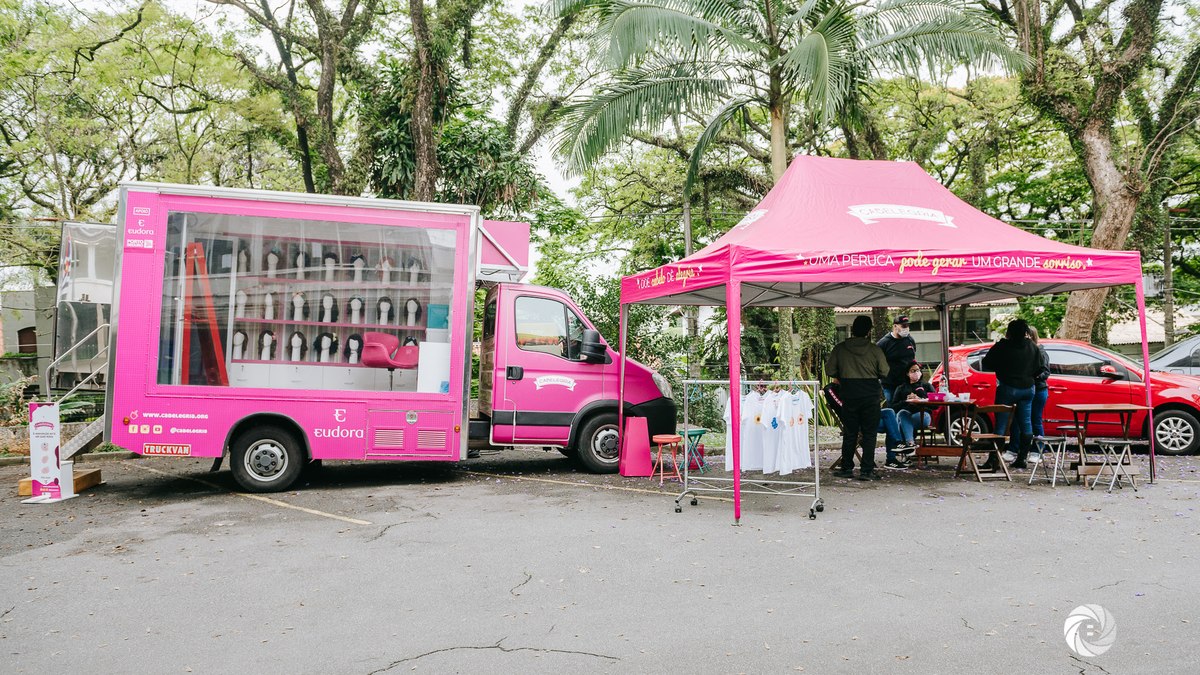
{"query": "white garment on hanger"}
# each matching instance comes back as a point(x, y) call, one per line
point(773, 426)
point(751, 434)
point(786, 456)
point(800, 455)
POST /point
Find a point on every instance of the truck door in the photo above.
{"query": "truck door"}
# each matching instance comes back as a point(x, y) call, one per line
point(545, 379)
point(487, 354)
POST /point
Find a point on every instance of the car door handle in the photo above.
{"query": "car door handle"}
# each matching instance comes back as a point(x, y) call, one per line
point(1058, 390)
point(514, 373)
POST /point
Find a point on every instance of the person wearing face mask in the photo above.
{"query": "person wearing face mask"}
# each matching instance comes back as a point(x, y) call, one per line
point(909, 416)
point(900, 350)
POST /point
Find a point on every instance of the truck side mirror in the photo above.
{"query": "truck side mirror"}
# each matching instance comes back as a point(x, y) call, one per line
point(593, 349)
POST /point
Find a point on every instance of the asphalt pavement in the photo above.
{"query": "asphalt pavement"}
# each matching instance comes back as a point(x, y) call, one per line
point(516, 562)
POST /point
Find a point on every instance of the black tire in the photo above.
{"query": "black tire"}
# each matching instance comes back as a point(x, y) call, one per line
point(979, 425)
point(1176, 432)
point(266, 458)
point(599, 444)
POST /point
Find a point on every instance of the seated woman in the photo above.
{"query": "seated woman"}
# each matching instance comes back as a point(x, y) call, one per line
point(908, 416)
point(889, 425)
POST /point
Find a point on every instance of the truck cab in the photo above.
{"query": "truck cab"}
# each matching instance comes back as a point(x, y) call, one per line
point(547, 378)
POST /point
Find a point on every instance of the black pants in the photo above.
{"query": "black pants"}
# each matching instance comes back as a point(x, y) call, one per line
point(860, 417)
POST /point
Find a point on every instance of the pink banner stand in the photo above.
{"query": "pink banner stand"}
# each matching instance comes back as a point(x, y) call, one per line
point(635, 449)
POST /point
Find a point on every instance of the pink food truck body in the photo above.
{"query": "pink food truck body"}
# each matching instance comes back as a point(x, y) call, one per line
point(284, 328)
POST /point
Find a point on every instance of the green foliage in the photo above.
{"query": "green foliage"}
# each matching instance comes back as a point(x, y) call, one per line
point(14, 401)
point(479, 164)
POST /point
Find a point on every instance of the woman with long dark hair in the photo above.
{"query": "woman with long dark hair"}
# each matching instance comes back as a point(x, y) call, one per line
point(1015, 360)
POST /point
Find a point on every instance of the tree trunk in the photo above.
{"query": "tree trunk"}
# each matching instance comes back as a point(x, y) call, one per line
point(779, 162)
point(1168, 288)
point(1116, 201)
point(326, 124)
point(424, 149)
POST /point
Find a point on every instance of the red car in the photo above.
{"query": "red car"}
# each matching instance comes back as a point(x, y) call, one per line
point(1084, 373)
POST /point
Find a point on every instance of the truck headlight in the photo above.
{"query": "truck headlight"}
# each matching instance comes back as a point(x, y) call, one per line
point(663, 386)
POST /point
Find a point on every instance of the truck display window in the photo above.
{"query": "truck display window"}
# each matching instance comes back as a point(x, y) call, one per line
point(548, 326)
point(289, 303)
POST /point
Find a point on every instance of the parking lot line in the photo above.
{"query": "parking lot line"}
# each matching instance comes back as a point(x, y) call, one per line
point(260, 498)
point(569, 483)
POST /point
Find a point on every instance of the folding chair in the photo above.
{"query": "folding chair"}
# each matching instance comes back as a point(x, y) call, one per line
point(995, 443)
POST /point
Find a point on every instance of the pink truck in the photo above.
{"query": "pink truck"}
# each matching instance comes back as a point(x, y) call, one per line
point(287, 328)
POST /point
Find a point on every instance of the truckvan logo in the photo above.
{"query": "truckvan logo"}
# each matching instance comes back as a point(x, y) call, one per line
point(559, 380)
point(171, 449)
point(141, 210)
point(339, 414)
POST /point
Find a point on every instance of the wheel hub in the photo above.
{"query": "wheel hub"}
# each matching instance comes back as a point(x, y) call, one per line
point(1174, 434)
point(266, 460)
point(605, 444)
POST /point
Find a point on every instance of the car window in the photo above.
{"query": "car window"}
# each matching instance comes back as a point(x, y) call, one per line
point(975, 359)
point(1186, 360)
point(548, 326)
point(1079, 363)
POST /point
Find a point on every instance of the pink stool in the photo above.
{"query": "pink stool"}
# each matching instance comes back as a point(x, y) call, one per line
point(667, 441)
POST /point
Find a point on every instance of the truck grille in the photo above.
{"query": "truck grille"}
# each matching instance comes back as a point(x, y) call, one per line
point(431, 439)
point(389, 438)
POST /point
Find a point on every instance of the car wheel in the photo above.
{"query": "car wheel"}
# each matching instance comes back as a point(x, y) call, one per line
point(599, 444)
point(979, 425)
point(266, 458)
point(1176, 432)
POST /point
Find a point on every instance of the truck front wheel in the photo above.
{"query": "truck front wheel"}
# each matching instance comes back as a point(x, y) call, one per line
point(266, 458)
point(599, 444)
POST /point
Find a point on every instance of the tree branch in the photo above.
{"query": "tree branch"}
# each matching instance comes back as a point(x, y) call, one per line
point(535, 72)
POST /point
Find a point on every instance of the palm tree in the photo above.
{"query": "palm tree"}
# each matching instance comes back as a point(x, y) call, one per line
point(757, 60)
point(731, 57)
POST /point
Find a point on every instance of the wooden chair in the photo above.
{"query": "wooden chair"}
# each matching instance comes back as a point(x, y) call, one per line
point(993, 443)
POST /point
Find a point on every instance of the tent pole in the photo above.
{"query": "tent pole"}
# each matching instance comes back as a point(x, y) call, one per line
point(733, 316)
point(944, 324)
point(621, 380)
point(1141, 305)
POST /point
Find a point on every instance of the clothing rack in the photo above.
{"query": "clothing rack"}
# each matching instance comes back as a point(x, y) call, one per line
point(694, 484)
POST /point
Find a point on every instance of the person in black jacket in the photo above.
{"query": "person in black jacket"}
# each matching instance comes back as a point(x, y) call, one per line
point(857, 365)
point(900, 350)
point(910, 416)
point(1015, 361)
point(1041, 392)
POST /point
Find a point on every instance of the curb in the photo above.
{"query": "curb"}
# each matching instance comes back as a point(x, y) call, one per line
point(87, 458)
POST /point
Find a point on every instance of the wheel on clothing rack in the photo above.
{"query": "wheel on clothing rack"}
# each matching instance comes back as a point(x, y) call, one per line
point(820, 507)
point(694, 502)
point(678, 508)
point(812, 514)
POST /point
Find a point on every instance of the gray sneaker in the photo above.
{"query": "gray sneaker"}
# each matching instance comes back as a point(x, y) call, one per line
point(1009, 456)
point(1034, 457)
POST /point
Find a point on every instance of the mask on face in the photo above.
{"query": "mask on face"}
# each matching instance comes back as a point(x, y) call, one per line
point(903, 332)
point(914, 376)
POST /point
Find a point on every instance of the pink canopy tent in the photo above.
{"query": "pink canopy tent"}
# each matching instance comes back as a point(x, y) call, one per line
point(851, 233)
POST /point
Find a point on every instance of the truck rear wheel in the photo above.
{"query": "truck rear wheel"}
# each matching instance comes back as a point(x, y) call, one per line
point(599, 444)
point(266, 458)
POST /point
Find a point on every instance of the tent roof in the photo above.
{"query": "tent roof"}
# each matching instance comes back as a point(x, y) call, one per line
point(842, 232)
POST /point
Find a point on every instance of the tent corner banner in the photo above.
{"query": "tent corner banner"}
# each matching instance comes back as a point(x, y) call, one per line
point(865, 233)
